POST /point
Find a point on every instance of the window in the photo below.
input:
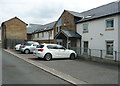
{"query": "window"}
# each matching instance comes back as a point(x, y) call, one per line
point(58, 28)
point(52, 47)
point(37, 35)
point(109, 24)
point(40, 46)
point(28, 44)
point(85, 27)
point(109, 47)
point(42, 34)
point(60, 47)
point(50, 33)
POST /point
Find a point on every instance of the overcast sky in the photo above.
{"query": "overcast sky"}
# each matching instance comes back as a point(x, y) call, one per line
point(44, 11)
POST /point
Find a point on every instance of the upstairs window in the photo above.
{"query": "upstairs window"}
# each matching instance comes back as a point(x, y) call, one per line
point(110, 24)
point(85, 28)
point(58, 28)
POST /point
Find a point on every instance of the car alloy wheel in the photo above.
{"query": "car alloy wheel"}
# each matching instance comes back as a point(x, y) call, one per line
point(26, 51)
point(72, 56)
point(48, 57)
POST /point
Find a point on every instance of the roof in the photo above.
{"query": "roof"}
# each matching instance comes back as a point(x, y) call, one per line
point(15, 18)
point(70, 34)
point(45, 27)
point(102, 11)
point(75, 13)
point(32, 27)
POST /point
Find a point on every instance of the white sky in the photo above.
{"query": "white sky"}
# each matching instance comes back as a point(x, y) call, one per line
point(44, 11)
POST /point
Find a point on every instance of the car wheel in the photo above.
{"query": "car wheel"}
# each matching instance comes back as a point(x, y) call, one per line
point(48, 57)
point(72, 56)
point(27, 51)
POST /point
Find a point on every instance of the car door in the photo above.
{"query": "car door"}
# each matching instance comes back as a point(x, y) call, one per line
point(32, 47)
point(62, 51)
point(54, 51)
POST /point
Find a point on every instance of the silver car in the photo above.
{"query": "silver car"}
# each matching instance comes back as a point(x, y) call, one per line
point(28, 47)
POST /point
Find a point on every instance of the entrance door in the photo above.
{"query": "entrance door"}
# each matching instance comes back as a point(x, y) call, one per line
point(85, 47)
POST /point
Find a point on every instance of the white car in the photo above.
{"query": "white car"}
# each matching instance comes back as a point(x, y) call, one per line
point(49, 51)
point(28, 47)
point(17, 47)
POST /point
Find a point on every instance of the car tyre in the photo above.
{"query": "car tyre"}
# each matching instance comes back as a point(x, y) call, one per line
point(72, 56)
point(48, 57)
point(26, 51)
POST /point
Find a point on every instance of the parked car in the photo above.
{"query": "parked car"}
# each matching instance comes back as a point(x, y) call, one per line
point(49, 51)
point(17, 47)
point(28, 47)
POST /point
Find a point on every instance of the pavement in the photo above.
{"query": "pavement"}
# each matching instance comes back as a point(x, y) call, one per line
point(74, 71)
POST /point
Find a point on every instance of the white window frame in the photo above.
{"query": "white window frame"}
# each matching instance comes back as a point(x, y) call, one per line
point(111, 44)
point(107, 26)
point(85, 30)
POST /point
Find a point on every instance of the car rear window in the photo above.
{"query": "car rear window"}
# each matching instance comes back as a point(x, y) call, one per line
point(40, 46)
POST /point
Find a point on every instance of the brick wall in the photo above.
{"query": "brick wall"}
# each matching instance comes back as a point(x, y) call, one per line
point(15, 29)
point(68, 22)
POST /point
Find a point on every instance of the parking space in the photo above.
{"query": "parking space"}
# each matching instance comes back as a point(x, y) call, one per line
point(87, 71)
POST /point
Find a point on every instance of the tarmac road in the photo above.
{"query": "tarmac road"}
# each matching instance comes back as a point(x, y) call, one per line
point(17, 71)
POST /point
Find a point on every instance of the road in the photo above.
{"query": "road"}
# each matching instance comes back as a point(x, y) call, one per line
point(17, 71)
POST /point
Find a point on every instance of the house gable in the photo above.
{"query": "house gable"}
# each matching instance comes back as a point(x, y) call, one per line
point(66, 21)
point(15, 19)
point(14, 29)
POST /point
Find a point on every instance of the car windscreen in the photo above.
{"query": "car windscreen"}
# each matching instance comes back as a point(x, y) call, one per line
point(28, 44)
point(40, 46)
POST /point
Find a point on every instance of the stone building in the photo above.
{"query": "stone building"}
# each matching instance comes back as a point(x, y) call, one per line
point(13, 29)
point(44, 33)
point(65, 29)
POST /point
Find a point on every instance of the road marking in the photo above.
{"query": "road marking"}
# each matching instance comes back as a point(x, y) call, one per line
point(59, 74)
